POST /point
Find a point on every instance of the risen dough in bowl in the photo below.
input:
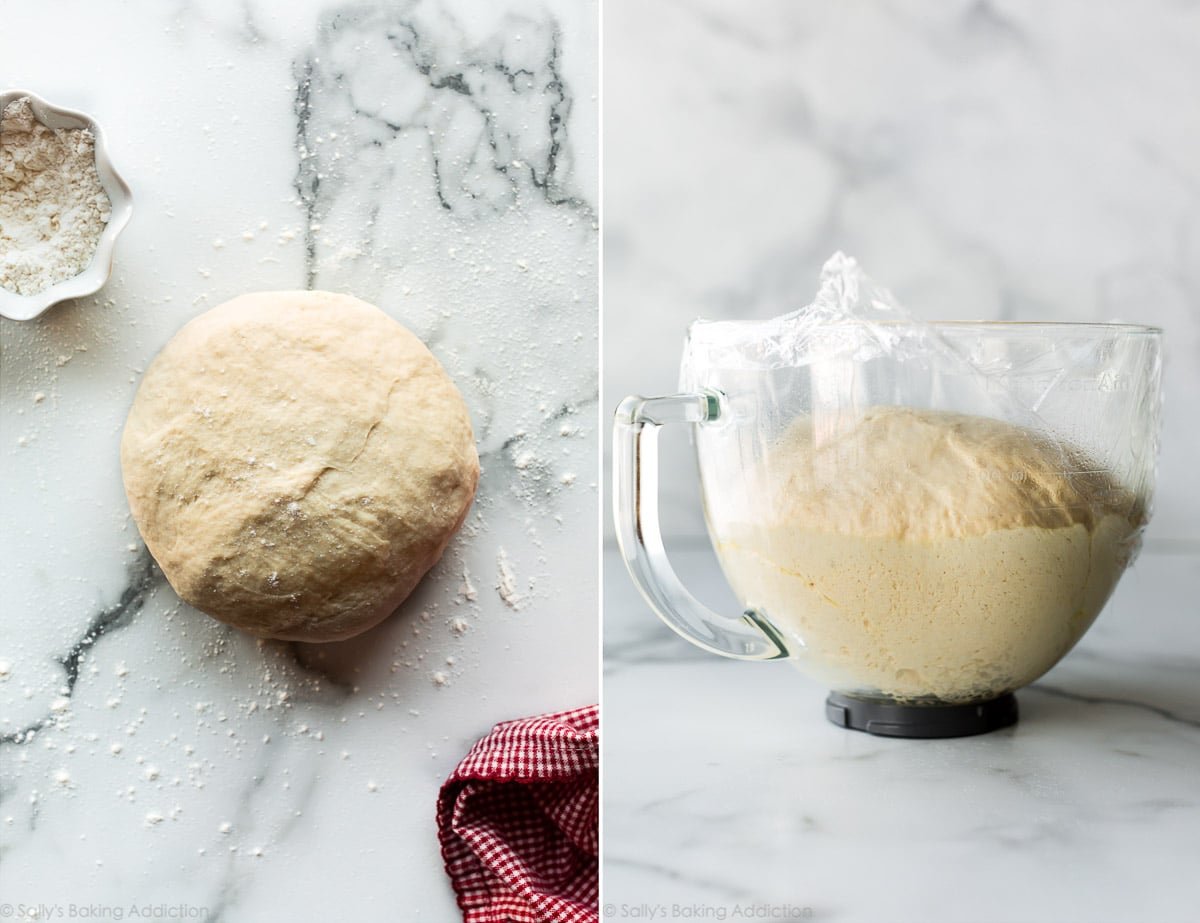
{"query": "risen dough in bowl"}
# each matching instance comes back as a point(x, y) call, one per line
point(928, 556)
point(296, 462)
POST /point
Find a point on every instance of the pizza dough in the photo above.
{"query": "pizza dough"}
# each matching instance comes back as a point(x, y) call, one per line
point(928, 556)
point(296, 462)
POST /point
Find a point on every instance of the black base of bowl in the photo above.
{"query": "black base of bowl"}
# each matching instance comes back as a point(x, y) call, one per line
point(892, 719)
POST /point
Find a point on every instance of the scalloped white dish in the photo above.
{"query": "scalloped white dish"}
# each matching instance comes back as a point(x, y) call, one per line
point(92, 279)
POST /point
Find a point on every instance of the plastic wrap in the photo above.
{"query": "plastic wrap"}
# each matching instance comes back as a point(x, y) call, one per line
point(927, 511)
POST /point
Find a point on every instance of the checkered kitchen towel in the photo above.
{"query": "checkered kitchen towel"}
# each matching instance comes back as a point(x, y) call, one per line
point(519, 821)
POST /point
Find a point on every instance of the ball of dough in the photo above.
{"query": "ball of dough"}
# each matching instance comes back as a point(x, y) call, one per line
point(296, 462)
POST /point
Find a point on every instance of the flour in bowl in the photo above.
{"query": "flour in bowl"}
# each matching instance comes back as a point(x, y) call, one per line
point(52, 206)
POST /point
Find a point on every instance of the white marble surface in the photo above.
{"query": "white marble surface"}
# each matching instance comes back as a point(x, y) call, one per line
point(983, 158)
point(440, 159)
point(732, 790)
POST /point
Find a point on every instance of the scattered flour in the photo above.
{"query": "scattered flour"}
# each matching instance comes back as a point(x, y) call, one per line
point(507, 587)
point(467, 589)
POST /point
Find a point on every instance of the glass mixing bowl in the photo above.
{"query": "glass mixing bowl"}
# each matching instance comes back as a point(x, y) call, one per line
point(926, 517)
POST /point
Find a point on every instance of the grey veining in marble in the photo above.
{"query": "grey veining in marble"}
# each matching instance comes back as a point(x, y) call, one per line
point(989, 159)
point(738, 792)
point(441, 160)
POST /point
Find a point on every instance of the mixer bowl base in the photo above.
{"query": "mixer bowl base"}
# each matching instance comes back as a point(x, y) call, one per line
point(893, 719)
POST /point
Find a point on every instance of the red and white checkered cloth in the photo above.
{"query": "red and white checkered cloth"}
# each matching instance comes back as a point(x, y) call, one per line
point(519, 821)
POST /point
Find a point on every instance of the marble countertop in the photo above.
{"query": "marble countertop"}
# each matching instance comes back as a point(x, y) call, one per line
point(438, 159)
point(982, 159)
point(733, 791)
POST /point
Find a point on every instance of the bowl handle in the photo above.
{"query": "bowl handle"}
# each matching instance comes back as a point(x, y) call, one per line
point(635, 509)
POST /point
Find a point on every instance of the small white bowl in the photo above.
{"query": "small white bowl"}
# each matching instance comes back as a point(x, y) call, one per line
point(92, 279)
